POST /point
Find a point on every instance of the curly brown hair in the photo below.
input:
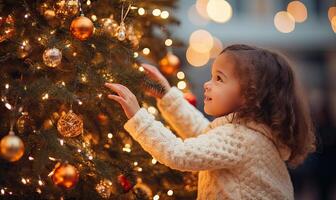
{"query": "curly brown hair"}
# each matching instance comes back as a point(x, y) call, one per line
point(273, 97)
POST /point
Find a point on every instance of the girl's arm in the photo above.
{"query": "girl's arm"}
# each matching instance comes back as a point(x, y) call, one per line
point(181, 115)
point(222, 147)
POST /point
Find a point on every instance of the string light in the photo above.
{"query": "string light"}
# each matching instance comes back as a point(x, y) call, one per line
point(180, 75)
point(135, 163)
point(62, 142)
point(139, 169)
point(40, 182)
point(23, 181)
point(30, 158)
point(156, 12)
point(170, 192)
point(7, 86)
point(8, 106)
point(110, 135)
point(164, 14)
point(156, 197)
point(181, 85)
point(45, 96)
point(141, 69)
point(2, 191)
point(146, 51)
point(154, 161)
point(135, 54)
point(141, 11)
point(168, 42)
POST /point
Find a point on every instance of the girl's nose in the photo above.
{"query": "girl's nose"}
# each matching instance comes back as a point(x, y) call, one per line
point(206, 85)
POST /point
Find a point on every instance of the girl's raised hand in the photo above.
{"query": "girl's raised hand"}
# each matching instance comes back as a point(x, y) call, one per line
point(156, 75)
point(125, 98)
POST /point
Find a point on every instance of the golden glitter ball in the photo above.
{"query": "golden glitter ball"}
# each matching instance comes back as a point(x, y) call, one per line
point(81, 28)
point(169, 64)
point(11, 147)
point(52, 57)
point(70, 125)
point(65, 175)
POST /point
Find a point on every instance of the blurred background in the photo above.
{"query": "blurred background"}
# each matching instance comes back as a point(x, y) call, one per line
point(304, 31)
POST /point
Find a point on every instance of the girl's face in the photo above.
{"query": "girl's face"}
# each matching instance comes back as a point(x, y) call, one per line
point(222, 93)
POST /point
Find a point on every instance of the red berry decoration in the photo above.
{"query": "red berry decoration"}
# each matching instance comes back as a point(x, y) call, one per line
point(191, 98)
point(125, 183)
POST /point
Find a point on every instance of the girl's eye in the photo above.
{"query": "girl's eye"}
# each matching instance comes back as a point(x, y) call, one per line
point(218, 78)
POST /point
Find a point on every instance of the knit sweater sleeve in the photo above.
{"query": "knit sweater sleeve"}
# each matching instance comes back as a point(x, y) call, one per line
point(186, 120)
point(221, 147)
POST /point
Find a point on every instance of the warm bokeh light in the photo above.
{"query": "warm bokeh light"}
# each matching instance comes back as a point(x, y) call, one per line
point(141, 11)
point(201, 41)
point(333, 23)
point(195, 17)
point(331, 12)
point(201, 8)
point(197, 59)
point(216, 48)
point(180, 75)
point(164, 14)
point(156, 12)
point(284, 22)
point(168, 42)
point(219, 10)
point(298, 10)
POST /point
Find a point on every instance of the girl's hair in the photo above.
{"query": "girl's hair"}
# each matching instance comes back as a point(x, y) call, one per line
point(273, 97)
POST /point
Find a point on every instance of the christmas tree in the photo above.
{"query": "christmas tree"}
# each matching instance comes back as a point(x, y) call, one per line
point(61, 138)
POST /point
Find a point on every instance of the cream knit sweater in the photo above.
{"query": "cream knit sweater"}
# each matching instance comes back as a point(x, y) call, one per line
point(234, 161)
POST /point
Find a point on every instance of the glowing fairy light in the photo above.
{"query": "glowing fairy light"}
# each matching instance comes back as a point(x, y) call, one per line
point(135, 163)
point(146, 51)
point(156, 12)
point(141, 11)
point(154, 161)
point(110, 135)
point(164, 14)
point(168, 42)
point(170, 192)
point(156, 197)
point(180, 75)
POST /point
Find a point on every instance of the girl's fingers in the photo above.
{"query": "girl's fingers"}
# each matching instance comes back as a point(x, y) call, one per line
point(116, 98)
point(151, 70)
point(116, 88)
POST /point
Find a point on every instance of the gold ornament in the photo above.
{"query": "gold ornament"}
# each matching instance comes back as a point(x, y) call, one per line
point(52, 57)
point(105, 188)
point(25, 123)
point(7, 27)
point(121, 35)
point(81, 28)
point(11, 147)
point(65, 175)
point(109, 26)
point(169, 64)
point(66, 8)
point(70, 125)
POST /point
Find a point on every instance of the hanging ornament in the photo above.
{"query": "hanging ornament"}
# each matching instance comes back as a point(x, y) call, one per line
point(52, 57)
point(191, 98)
point(169, 64)
point(109, 26)
point(82, 28)
point(125, 183)
point(25, 124)
point(65, 175)
point(11, 147)
point(70, 125)
point(7, 28)
point(105, 188)
point(121, 34)
point(66, 8)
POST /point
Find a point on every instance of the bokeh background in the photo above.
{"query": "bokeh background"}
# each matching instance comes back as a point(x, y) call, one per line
point(304, 31)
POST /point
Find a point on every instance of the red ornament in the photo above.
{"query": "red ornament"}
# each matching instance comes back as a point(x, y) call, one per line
point(191, 98)
point(125, 183)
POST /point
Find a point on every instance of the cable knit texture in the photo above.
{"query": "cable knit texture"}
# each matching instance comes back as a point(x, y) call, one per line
point(234, 160)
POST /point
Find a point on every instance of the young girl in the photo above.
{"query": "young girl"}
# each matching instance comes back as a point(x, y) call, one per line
point(261, 124)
